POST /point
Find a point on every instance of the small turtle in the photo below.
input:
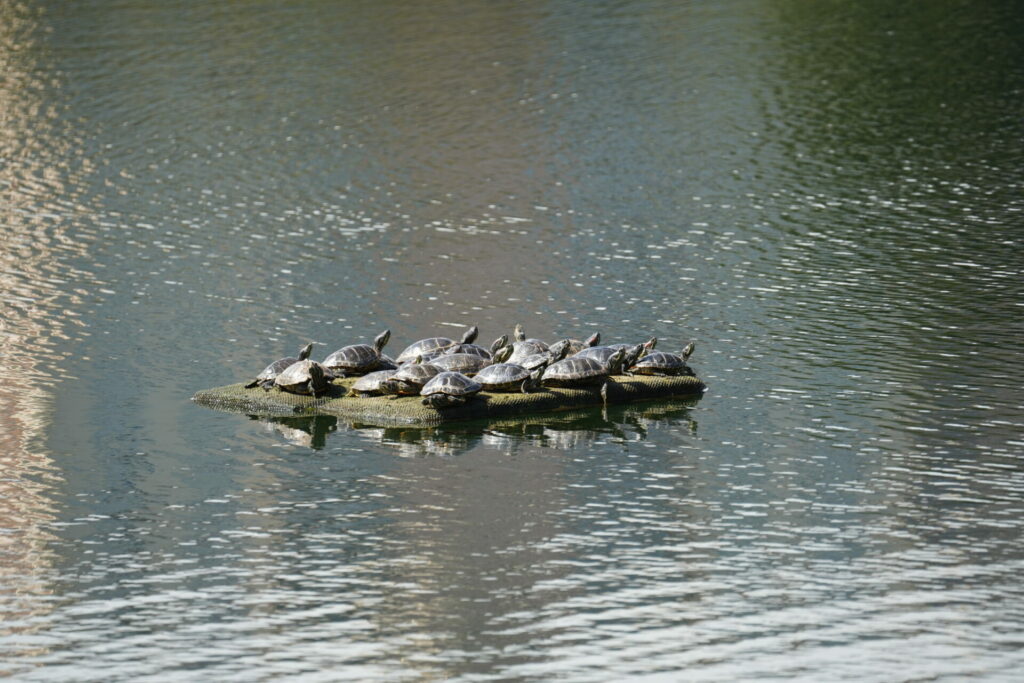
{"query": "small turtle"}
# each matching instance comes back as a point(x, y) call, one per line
point(578, 372)
point(357, 358)
point(304, 377)
point(575, 345)
point(266, 378)
point(370, 383)
point(428, 348)
point(410, 378)
point(467, 363)
point(663, 363)
point(449, 389)
point(507, 377)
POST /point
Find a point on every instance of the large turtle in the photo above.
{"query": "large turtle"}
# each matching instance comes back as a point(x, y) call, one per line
point(604, 353)
point(266, 378)
point(467, 363)
point(370, 383)
point(663, 363)
point(580, 372)
point(505, 377)
point(304, 377)
point(434, 346)
point(410, 378)
point(357, 359)
point(449, 389)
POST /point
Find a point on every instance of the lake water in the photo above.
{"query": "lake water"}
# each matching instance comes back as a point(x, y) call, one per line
point(827, 197)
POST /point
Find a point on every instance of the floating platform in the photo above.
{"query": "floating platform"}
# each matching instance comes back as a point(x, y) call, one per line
point(386, 411)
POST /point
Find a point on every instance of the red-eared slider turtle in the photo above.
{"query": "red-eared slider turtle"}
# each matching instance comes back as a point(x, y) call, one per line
point(478, 350)
point(523, 347)
point(579, 372)
point(266, 378)
point(662, 363)
point(604, 353)
point(305, 377)
point(574, 346)
point(506, 377)
point(357, 358)
point(370, 383)
point(434, 346)
point(410, 378)
point(449, 389)
point(467, 363)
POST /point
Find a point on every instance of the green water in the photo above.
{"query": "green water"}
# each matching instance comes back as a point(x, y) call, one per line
point(826, 197)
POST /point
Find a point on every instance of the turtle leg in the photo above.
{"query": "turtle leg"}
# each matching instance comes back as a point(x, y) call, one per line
point(252, 384)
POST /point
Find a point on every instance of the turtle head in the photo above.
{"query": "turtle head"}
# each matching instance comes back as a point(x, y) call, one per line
point(381, 340)
point(633, 355)
point(649, 346)
point(519, 334)
point(499, 343)
point(615, 362)
point(688, 350)
point(502, 354)
point(560, 348)
point(305, 351)
point(592, 340)
point(470, 335)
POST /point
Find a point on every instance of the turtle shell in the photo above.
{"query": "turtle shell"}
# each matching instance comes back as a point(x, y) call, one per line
point(354, 358)
point(573, 372)
point(523, 349)
point(358, 358)
point(661, 363)
point(370, 384)
point(270, 373)
point(433, 346)
point(502, 377)
point(467, 363)
point(451, 384)
point(409, 378)
point(304, 377)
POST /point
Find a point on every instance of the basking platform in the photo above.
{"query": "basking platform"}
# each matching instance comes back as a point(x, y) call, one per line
point(408, 410)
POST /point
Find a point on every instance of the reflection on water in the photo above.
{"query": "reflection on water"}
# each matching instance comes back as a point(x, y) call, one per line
point(565, 430)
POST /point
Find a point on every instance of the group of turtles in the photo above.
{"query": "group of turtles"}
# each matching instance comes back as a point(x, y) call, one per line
point(446, 372)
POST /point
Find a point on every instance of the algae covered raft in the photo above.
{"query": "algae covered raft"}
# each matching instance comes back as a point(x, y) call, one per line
point(409, 410)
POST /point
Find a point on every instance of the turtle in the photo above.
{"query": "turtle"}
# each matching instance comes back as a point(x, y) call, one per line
point(507, 377)
point(523, 347)
point(410, 378)
point(427, 348)
point(578, 372)
point(663, 363)
point(575, 345)
point(266, 378)
point(449, 389)
point(467, 363)
point(357, 359)
point(604, 353)
point(304, 377)
point(498, 343)
point(370, 383)
point(542, 359)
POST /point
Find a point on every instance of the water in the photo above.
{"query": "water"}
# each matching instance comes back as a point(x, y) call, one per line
point(826, 197)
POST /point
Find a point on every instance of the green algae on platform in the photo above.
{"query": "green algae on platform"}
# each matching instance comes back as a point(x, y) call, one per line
point(390, 410)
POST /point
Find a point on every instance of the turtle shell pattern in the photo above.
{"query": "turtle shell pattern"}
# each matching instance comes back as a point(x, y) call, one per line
point(574, 372)
point(369, 384)
point(661, 363)
point(297, 378)
point(451, 384)
point(467, 363)
point(502, 377)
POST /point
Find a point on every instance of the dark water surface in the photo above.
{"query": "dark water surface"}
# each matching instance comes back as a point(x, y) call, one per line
point(827, 197)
